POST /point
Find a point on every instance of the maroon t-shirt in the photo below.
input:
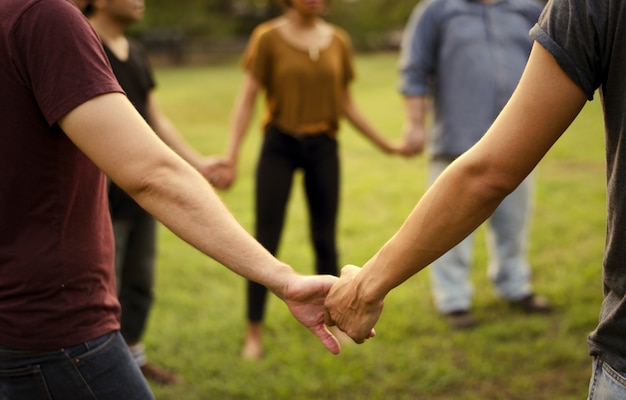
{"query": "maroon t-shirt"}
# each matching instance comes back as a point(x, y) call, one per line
point(57, 283)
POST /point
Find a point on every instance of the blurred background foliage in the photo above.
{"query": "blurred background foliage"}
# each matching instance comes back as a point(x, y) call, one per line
point(222, 25)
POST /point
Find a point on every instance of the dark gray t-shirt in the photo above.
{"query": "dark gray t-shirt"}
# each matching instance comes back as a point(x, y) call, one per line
point(588, 40)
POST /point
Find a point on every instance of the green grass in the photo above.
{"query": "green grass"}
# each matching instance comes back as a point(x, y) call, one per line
point(198, 320)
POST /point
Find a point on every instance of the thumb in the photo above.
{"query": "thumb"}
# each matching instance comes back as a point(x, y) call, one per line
point(328, 340)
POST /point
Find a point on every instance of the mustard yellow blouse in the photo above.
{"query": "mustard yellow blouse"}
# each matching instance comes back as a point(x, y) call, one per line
point(303, 89)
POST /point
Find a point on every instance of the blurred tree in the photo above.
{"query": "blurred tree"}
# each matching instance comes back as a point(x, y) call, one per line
point(369, 22)
point(372, 24)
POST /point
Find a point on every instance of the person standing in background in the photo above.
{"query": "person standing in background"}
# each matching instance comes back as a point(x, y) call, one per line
point(304, 66)
point(468, 56)
point(135, 230)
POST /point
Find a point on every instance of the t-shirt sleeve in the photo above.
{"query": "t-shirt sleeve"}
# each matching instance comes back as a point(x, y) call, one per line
point(570, 31)
point(257, 56)
point(348, 73)
point(61, 58)
point(419, 49)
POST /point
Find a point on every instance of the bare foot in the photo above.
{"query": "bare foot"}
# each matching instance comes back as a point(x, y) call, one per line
point(253, 345)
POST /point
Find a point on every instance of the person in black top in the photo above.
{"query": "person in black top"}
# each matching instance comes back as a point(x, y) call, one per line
point(134, 228)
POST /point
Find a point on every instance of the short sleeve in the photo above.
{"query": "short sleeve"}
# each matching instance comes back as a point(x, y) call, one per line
point(570, 30)
point(257, 56)
point(64, 66)
point(348, 73)
point(419, 49)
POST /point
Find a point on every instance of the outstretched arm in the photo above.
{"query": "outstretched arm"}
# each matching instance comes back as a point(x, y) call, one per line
point(415, 108)
point(361, 124)
point(224, 173)
point(115, 137)
point(542, 107)
point(167, 131)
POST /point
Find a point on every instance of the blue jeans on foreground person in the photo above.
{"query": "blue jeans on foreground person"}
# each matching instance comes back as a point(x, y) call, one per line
point(101, 369)
point(507, 237)
point(606, 383)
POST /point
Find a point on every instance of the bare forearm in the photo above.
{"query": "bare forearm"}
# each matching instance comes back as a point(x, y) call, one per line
point(239, 127)
point(110, 132)
point(166, 130)
point(415, 133)
point(361, 124)
point(447, 213)
point(243, 111)
point(200, 218)
point(415, 108)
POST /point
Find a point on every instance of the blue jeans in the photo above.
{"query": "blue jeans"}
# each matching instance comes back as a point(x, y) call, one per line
point(508, 268)
point(606, 383)
point(101, 369)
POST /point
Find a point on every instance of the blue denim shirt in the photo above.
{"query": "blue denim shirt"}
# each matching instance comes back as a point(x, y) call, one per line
point(468, 56)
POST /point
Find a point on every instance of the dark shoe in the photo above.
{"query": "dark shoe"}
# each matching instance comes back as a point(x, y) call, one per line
point(159, 375)
point(533, 304)
point(461, 319)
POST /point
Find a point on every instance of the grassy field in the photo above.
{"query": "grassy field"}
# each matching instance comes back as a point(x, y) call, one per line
point(198, 321)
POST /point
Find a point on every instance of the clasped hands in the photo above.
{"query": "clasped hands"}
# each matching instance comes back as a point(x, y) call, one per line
point(220, 172)
point(348, 309)
point(321, 301)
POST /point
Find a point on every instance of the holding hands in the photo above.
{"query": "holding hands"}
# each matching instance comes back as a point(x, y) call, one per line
point(220, 173)
point(414, 138)
point(349, 310)
point(406, 149)
point(305, 298)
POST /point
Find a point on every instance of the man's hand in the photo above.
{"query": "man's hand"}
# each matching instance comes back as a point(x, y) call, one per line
point(305, 299)
point(414, 138)
point(348, 310)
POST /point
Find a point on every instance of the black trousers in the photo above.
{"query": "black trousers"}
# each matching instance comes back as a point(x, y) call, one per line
point(135, 263)
point(281, 156)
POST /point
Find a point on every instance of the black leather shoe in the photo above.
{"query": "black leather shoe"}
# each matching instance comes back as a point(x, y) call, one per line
point(461, 319)
point(533, 304)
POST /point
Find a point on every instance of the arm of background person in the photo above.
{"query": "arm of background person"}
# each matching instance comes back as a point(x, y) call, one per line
point(225, 171)
point(166, 130)
point(361, 124)
point(415, 108)
point(119, 141)
point(417, 66)
point(539, 111)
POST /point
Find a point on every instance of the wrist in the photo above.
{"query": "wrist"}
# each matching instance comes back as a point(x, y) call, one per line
point(230, 162)
point(369, 286)
point(280, 278)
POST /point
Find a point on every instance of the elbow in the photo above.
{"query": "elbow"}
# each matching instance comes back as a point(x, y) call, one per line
point(150, 182)
point(496, 190)
point(139, 187)
point(488, 182)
